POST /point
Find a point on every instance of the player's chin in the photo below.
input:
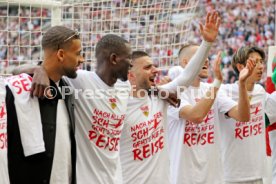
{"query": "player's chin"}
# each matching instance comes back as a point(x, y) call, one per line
point(124, 78)
point(258, 76)
point(203, 75)
point(72, 74)
point(122, 75)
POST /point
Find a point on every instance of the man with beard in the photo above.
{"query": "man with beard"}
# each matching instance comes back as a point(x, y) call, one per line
point(100, 111)
point(144, 146)
point(243, 143)
point(194, 127)
point(101, 102)
point(42, 147)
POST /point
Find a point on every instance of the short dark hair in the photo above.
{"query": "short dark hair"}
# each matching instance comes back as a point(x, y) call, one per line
point(138, 54)
point(109, 44)
point(57, 37)
point(242, 54)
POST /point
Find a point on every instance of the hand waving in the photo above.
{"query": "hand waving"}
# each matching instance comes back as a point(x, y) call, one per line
point(247, 70)
point(217, 69)
point(209, 31)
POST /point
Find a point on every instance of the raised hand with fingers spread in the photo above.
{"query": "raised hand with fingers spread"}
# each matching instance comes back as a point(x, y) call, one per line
point(210, 30)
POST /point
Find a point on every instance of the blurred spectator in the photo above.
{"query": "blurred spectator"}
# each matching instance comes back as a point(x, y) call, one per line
point(159, 28)
point(155, 27)
point(243, 23)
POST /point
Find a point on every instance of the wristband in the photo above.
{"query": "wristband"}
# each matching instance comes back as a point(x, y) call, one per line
point(216, 83)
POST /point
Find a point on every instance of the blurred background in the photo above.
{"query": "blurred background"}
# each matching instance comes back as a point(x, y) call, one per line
point(159, 27)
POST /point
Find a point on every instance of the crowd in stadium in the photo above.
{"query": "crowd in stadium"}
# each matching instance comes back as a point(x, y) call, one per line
point(117, 125)
point(20, 33)
point(203, 123)
point(244, 23)
point(247, 23)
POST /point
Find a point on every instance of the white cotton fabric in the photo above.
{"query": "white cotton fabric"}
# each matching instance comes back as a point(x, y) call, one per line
point(28, 114)
point(100, 113)
point(4, 174)
point(144, 147)
point(195, 148)
point(243, 143)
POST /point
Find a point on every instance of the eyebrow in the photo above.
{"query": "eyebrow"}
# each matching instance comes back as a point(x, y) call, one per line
point(149, 65)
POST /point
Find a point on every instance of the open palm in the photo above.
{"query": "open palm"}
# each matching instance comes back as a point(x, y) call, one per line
point(209, 31)
point(217, 69)
point(247, 71)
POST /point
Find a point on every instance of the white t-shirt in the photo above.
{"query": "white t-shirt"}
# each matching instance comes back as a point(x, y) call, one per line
point(4, 175)
point(194, 148)
point(62, 163)
point(100, 112)
point(271, 114)
point(144, 150)
point(243, 143)
point(146, 159)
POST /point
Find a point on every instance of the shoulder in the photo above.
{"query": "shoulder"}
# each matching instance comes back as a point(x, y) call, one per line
point(174, 72)
point(259, 88)
point(122, 85)
point(85, 75)
point(273, 95)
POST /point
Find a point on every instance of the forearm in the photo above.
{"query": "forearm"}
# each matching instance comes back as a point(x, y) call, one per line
point(40, 80)
point(197, 112)
point(26, 68)
point(192, 69)
point(243, 108)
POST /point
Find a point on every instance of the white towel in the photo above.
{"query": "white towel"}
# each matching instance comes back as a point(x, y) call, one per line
point(4, 174)
point(28, 114)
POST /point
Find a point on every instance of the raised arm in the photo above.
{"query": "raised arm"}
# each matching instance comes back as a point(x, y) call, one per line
point(209, 33)
point(197, 112)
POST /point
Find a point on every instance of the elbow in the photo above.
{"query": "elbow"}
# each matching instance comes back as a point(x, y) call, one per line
point(193, 116)
point(244, 118)
point(197, 120)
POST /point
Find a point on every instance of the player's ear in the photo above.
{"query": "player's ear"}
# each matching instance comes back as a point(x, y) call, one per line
point(113, 58)
point(60, 55)
point(184, 62)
